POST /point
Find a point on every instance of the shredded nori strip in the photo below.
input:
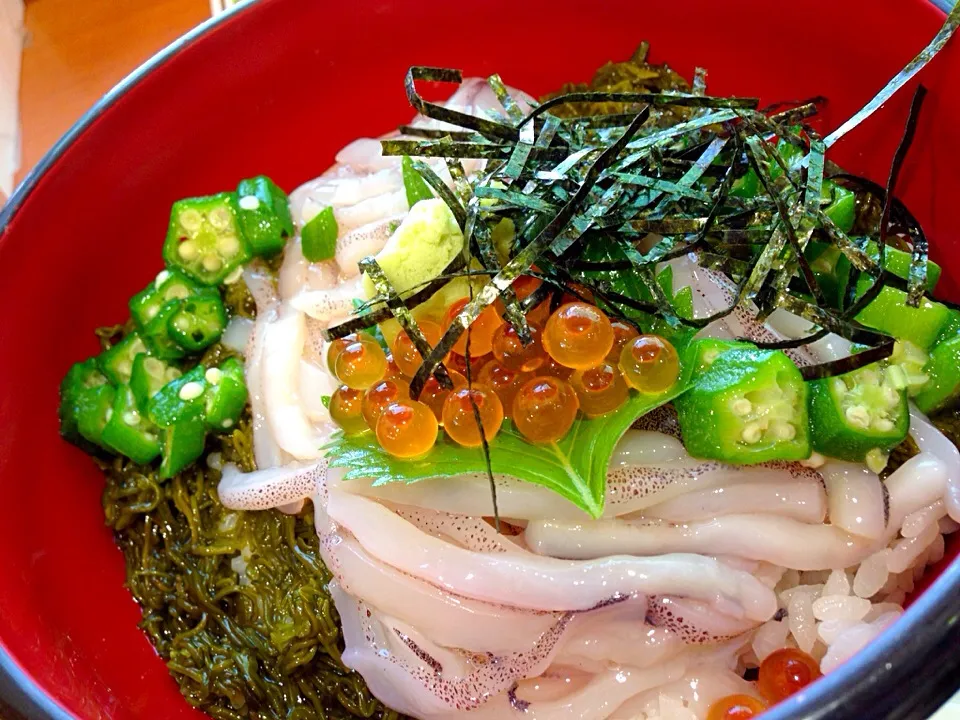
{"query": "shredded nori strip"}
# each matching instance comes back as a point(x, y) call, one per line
point(526, 257)
point(482, 126)
point(917, 276)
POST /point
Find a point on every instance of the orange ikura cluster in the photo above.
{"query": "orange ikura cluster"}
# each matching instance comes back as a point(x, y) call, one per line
point(579, 361)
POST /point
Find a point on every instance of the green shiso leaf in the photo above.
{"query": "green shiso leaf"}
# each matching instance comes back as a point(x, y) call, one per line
point(575, 467)
point(414, 185)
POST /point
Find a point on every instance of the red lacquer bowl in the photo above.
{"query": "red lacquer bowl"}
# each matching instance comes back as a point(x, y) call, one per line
point(277, 88)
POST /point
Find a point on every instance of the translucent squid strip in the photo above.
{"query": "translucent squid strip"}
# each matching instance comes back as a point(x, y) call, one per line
point(541, 583)
point(779, 540)
point(449, 620)
point(802, 500)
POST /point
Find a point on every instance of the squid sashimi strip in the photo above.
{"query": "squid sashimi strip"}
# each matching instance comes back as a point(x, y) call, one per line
point(779, 540)
point(855, 499)
point(298, 274)
point(268, 488)
point(597, 700)
point(930, 439)
point(637, 487)
point(419, 683)
point(266, 450)
point(283, 346)
point(802, 500)
point(445, 618)
point(467, 531)
point(618, 634)
point(920, 481)
point(379, 207)
point(695, 623)
point(467, 495)
point(328, 305)
point(541, 583)
point(369, 239)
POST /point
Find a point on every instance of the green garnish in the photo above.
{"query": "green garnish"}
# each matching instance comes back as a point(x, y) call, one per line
point(414, 185)
point(319, 236)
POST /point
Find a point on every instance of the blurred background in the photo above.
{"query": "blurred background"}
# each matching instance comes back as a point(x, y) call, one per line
point(57, 57)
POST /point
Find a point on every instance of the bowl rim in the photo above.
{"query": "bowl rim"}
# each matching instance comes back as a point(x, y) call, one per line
point(917, 652)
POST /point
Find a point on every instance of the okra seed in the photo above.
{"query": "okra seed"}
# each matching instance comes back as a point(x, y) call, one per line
point(191, 220)
point(814, 461)
point(249, 202)
point(153, 366)
point(227, 423)
point(125, 367)
point(183, 323)
point(151, 312)
point(710, 355)
point(211, 263)
point(234, 276)
point(751, 433)
point(220, 218)
point(883, 425)
point(131, 417)
point(858, 416)
point(228, 245)
point(839, 386)
point(162, 277)
point(784, 430)
point(191, 391)
point(187, 250)
point(742, 407)
point(108, 414)
point(213, 376)
point(177, 292)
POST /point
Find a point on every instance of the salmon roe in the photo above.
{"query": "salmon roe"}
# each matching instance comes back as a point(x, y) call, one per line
point(405, 353)
point(601, 389)
point(460, 421)
point(433, 394)
point(524, 286)
point(393, 370)
point(346, 410)
point(336, 347)
point(456, 361)
point(622, 334)
point(578, 335)
point(544, 409)
point(360, 364)
point(383, 393)
point(481, 330)
point(735, 707)
point(407, 429)
point(650, 364)
point(784, 672)
point(511, 352)
point(552, 368)
point(504, 381)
